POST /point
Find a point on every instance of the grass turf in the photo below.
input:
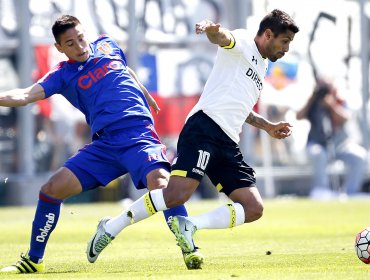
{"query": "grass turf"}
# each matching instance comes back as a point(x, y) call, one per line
point(295, 239)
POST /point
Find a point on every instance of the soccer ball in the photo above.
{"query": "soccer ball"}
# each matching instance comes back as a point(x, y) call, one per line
point(362, 245)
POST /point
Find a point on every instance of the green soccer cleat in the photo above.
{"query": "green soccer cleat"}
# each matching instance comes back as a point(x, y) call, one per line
point(184, 231)
point(193, 260)
point(99, 241)
point(24, 265)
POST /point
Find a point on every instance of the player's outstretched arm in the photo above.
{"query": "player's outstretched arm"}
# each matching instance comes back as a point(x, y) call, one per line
point(279, 130)
point(148, 97)
point(215, 33)
point(22, 96)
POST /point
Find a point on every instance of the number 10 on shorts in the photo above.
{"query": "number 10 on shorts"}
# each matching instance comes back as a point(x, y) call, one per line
point(203, 159)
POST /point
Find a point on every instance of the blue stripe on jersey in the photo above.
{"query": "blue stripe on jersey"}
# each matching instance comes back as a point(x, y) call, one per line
point(101, 88)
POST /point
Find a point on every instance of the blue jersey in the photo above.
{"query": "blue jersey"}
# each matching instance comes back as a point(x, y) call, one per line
point(101, 88)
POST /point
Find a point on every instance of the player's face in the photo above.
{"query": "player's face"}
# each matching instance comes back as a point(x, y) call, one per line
point(74, 44)
point(277, 46)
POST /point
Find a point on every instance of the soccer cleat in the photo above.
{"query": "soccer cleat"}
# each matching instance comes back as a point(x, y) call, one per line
point(24, 265)
point(99, 241)
point(184, 231)
point(193, 260)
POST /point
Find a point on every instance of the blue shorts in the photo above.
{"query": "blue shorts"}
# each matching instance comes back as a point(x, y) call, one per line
point(135, 150)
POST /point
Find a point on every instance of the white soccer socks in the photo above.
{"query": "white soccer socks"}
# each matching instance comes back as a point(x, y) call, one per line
point(146, 206)
point(227, 216)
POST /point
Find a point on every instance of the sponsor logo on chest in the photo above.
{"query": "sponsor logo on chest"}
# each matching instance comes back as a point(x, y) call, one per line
point(96, 74)
point(253, 75)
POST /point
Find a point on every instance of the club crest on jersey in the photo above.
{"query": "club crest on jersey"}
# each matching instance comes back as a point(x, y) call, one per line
point(105, 48)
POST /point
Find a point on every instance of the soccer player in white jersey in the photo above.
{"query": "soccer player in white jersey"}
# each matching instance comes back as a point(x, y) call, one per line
point(208, 143)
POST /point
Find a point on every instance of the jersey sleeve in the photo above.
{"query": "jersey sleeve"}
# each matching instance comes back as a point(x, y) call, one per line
point(238, 41)
point(52, 82)
point(232, 42)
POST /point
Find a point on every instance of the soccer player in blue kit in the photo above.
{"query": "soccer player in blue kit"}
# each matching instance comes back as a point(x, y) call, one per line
point(98, 82)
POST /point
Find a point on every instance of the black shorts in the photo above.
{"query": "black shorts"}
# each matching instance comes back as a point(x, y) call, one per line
point(204, 148)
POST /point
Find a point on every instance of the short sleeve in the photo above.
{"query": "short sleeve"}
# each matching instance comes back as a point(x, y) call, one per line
point(232, 42)
point(52, 82)
point(238, 41)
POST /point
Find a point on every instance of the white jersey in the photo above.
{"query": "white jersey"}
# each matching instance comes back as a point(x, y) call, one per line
point(234, 85)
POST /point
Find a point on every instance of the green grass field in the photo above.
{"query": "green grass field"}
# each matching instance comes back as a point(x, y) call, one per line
point(307, 240)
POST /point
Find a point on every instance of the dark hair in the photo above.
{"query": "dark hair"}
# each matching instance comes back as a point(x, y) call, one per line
point(279, 22)
point(62, 24)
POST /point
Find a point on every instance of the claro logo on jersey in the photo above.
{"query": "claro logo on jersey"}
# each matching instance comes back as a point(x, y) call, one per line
point(86, 81)
point(254, 77)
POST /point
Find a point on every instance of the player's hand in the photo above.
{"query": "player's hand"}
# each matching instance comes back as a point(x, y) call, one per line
point(280, 130)
point(207, 26)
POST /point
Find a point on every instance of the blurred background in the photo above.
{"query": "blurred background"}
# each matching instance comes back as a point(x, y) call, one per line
point(173, 63)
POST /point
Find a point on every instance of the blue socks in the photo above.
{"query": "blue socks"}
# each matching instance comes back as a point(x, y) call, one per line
point(46, 218)
point(175, 211)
